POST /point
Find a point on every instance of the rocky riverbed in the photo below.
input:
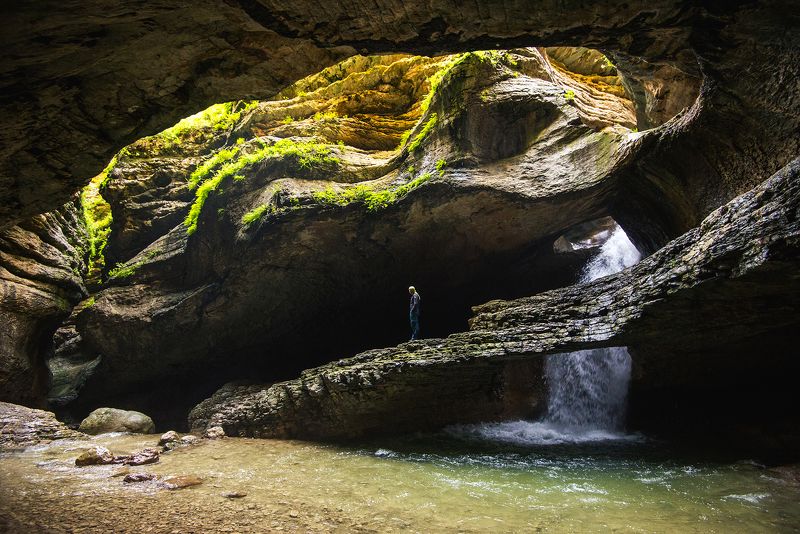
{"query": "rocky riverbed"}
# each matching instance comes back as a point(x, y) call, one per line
point(444, 482)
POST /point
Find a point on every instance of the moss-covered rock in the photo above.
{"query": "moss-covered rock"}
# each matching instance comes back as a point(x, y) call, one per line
point(278, 225)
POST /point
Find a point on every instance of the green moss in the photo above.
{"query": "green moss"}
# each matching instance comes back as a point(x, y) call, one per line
point(202, 172)
point(198, 128)
point(304, 154)
point(420, 137)
point(88, 303)
point(124, 270)
point(106, 173)
point(413, 184)
point(327, 116)
point(438, 77)
point(440, 165)
point(218, 117)
point(569, 95)
point(404, 138)
point(287, 120)
point(98, 219)
point(254, 215)
point(372, 199)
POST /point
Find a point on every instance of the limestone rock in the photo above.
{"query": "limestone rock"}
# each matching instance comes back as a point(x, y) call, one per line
point(69, 366)
point(142, 84)
point(138, 477)
point(95, 456)
point(147, 455)
point(42, 261)
point(22, 427)
point(168, 438)
point(749, 247)
point(231, 289)
point(113, 420)
point(214, 432)
point(110, 84)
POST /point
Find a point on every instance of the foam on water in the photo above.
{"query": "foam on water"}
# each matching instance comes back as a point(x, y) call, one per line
point(587, 390)
point(525, 433)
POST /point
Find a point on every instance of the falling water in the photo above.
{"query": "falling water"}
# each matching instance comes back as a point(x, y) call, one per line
point(587, 389)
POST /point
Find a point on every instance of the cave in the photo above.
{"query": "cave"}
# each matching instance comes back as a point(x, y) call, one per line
point(313, 281)
point(212, 214)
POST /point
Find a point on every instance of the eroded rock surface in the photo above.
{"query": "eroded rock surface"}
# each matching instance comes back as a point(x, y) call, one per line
point(83, 81)
point(22, 427)
point(235, 294)
point(42, 264)
point(744, 257)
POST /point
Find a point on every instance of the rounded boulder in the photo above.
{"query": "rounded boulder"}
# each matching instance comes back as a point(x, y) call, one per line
point(113, 420)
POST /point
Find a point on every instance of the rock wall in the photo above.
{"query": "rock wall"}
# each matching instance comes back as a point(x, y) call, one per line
point(235, 297)
point(721, 285)
point(42, 264)
point(87, 80)
point(22, 427)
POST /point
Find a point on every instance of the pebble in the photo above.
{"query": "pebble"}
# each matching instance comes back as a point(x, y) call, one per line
point(138, 477)
point(189, 439)
point(145, 456)
point(95, 456)
point(181, 482)
point(215, 432)
point(234, 494)
point(168, 437)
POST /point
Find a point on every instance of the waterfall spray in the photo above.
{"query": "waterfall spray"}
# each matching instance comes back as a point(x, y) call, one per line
point(587, 389)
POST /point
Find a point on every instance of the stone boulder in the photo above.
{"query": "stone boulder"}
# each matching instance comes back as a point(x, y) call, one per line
point(95, 456)
point(113, 420)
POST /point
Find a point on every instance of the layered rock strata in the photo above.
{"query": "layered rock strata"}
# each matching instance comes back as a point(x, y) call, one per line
point(81, 82)
point(743, 259)
point(496, 168)
point(22, 427)
point(42, 265)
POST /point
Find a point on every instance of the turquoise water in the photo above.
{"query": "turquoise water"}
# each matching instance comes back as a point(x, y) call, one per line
point(449, 482)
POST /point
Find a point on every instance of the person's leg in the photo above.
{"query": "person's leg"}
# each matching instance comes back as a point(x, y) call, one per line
point(414, 327)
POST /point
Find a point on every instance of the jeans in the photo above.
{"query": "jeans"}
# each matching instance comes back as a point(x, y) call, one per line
point(414, 319)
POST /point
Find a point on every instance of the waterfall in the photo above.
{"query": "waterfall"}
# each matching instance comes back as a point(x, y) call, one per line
point(587, 389)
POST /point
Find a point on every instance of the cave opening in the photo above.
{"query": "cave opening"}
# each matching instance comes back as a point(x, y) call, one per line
point(213, 211)
point(241, 277)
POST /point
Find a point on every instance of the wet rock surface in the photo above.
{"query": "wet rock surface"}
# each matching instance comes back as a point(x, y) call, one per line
point(527, 152)
point(133, 478)
point(749, 247)
point(95, 456)
point(22, 427)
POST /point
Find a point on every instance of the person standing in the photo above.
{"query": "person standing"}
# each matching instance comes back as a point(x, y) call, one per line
point(413, 312)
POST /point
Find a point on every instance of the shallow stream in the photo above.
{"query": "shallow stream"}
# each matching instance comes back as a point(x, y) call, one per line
point(468, 479)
